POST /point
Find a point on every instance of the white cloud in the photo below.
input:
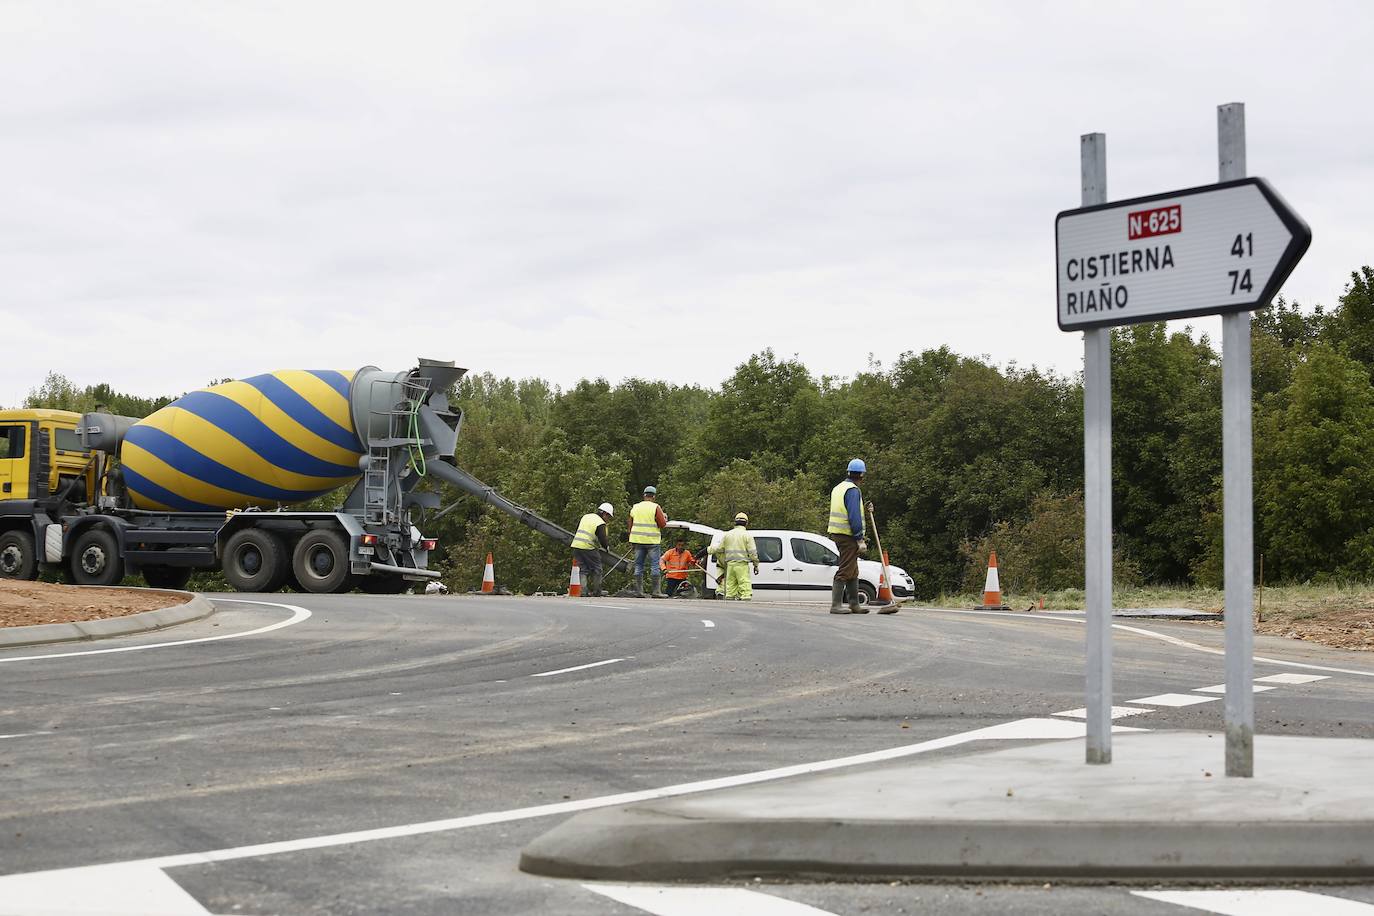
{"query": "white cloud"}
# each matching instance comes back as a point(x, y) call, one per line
point(196, 191)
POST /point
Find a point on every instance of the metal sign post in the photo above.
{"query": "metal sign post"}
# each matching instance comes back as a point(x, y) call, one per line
point(1238, 494)
point(1219, 249)
point(1097, 488)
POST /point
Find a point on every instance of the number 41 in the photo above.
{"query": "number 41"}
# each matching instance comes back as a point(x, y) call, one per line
point(1243, 245)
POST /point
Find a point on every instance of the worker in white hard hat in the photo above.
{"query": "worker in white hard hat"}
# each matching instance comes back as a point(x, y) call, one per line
point(591, 534)
point(646, 525)
point(846, 529)
point(735, 552)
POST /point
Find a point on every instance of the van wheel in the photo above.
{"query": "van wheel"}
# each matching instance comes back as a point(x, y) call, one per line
point(321, 562)
point(867, 594)
point(17, 557)
point(254, 561)
point(95, 558)
point(173, 577)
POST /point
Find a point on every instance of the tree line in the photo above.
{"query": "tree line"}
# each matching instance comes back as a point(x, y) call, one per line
point(963, 456)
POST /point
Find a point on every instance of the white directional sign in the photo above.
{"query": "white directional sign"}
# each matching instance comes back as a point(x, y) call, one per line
point(1219, 248)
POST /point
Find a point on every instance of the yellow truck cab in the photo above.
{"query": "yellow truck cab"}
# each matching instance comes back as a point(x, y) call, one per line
point(41, 457)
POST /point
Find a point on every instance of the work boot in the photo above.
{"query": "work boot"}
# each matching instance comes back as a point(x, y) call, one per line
point(658, 587)
point(854, 606)
point(837, 596)
point(595, 590)
point(637, 586)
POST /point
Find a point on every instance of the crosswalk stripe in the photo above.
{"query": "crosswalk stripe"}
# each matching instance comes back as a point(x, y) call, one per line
point(1262, 902)
point(703, 901)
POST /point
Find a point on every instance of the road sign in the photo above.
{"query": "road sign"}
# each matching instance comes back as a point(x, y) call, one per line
point(1224, 247)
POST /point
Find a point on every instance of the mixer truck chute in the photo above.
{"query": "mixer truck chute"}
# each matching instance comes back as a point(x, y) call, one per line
point(209, 481)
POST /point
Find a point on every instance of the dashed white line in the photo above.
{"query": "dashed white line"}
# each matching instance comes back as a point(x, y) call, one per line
point(703, 901)
point(1118, 712)
point(1262, 902)
point(25, 734)
point(1174, 699)
point(609, 661)
point(297, 615)
point(1221, 688)
point(1292, 678)
point(708, 624)
point(614, 607)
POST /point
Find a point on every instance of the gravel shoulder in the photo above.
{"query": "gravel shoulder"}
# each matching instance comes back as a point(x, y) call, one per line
point(25, 604)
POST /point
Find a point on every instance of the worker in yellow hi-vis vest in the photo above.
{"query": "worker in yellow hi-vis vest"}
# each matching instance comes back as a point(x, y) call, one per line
point(647, 522)
point(591, 534)
point(846, 529)
point(735, 552)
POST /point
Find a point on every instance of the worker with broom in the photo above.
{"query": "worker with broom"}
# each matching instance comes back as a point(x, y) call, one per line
point(846, 529)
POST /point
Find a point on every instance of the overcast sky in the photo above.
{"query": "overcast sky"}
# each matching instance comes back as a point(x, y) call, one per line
point(196, 190)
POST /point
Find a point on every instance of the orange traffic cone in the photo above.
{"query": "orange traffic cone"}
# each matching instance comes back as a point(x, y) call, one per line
point(575, 581)
point(489, 577)
point(992, 589)
point(884, 586)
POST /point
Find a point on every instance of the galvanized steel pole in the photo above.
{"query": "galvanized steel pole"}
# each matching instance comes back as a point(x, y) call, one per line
point(1097, 489)
point(1238, 489)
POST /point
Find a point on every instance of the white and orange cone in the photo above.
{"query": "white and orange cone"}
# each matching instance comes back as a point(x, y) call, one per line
point(575, 581)
point(489, 577)
point(884, 586)
point(992, 589)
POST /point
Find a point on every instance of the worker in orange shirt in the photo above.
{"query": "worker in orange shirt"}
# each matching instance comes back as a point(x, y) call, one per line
point(676, 563)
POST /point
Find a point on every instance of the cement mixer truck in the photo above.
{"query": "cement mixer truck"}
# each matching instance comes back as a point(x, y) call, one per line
point(210, 482)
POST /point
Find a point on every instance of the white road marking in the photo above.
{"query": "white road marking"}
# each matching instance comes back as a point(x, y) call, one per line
point(703, 901)
point(101, 890)
point(1262, 902)
point(1292, 678)
point(1174, 699)
point(297, 615)
point(25, 734)
point(1117, 712)
point(614, 607)
point(708, 624)
point(609, 661)
point(1174, 640)
point(1221, 688)
point(52, 886)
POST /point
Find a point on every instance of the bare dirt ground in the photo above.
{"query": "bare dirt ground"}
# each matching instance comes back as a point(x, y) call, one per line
point(24, 604)
point(1344, 628)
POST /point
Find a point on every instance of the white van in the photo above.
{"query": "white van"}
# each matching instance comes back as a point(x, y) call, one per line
point(797, 566)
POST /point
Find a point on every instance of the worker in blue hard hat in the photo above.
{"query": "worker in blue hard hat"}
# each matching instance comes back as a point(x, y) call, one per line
point(647, 522)
point(846, 529)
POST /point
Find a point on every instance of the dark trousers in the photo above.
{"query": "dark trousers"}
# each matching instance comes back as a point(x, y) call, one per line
point(589, 562)
point(849, 557)
point(674, 585)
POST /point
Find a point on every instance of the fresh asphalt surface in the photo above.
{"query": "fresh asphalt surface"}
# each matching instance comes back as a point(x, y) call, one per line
point(385, 712)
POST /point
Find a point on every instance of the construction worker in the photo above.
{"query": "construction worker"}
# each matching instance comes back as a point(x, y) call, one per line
point(591, 533)
point(735, 552)
point(646, 525)
point(676, 563)
point(846, 529)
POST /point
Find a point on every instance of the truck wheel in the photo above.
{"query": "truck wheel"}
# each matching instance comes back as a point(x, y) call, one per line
point(173, 577)
point(17, 557)
point(321, 562)
point(254, 561)
point(95, 558)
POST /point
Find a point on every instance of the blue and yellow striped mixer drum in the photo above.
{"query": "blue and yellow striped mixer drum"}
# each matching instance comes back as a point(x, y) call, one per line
point(265, 441)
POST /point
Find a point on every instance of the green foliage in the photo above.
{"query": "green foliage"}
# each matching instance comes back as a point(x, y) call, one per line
point(1314, 480)
point(1043, 553)
point(58, 393)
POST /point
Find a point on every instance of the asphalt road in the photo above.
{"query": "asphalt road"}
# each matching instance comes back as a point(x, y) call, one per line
point(355, 754)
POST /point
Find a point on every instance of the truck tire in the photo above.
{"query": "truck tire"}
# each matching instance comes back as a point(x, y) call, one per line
point(173, 577)
point(95, 558)
point(254, 561)
point(320, 562)
point(17, 557)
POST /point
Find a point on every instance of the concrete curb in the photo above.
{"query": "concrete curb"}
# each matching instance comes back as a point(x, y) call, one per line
point(195, 607)
point(1032, 812)
point(630, 844)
